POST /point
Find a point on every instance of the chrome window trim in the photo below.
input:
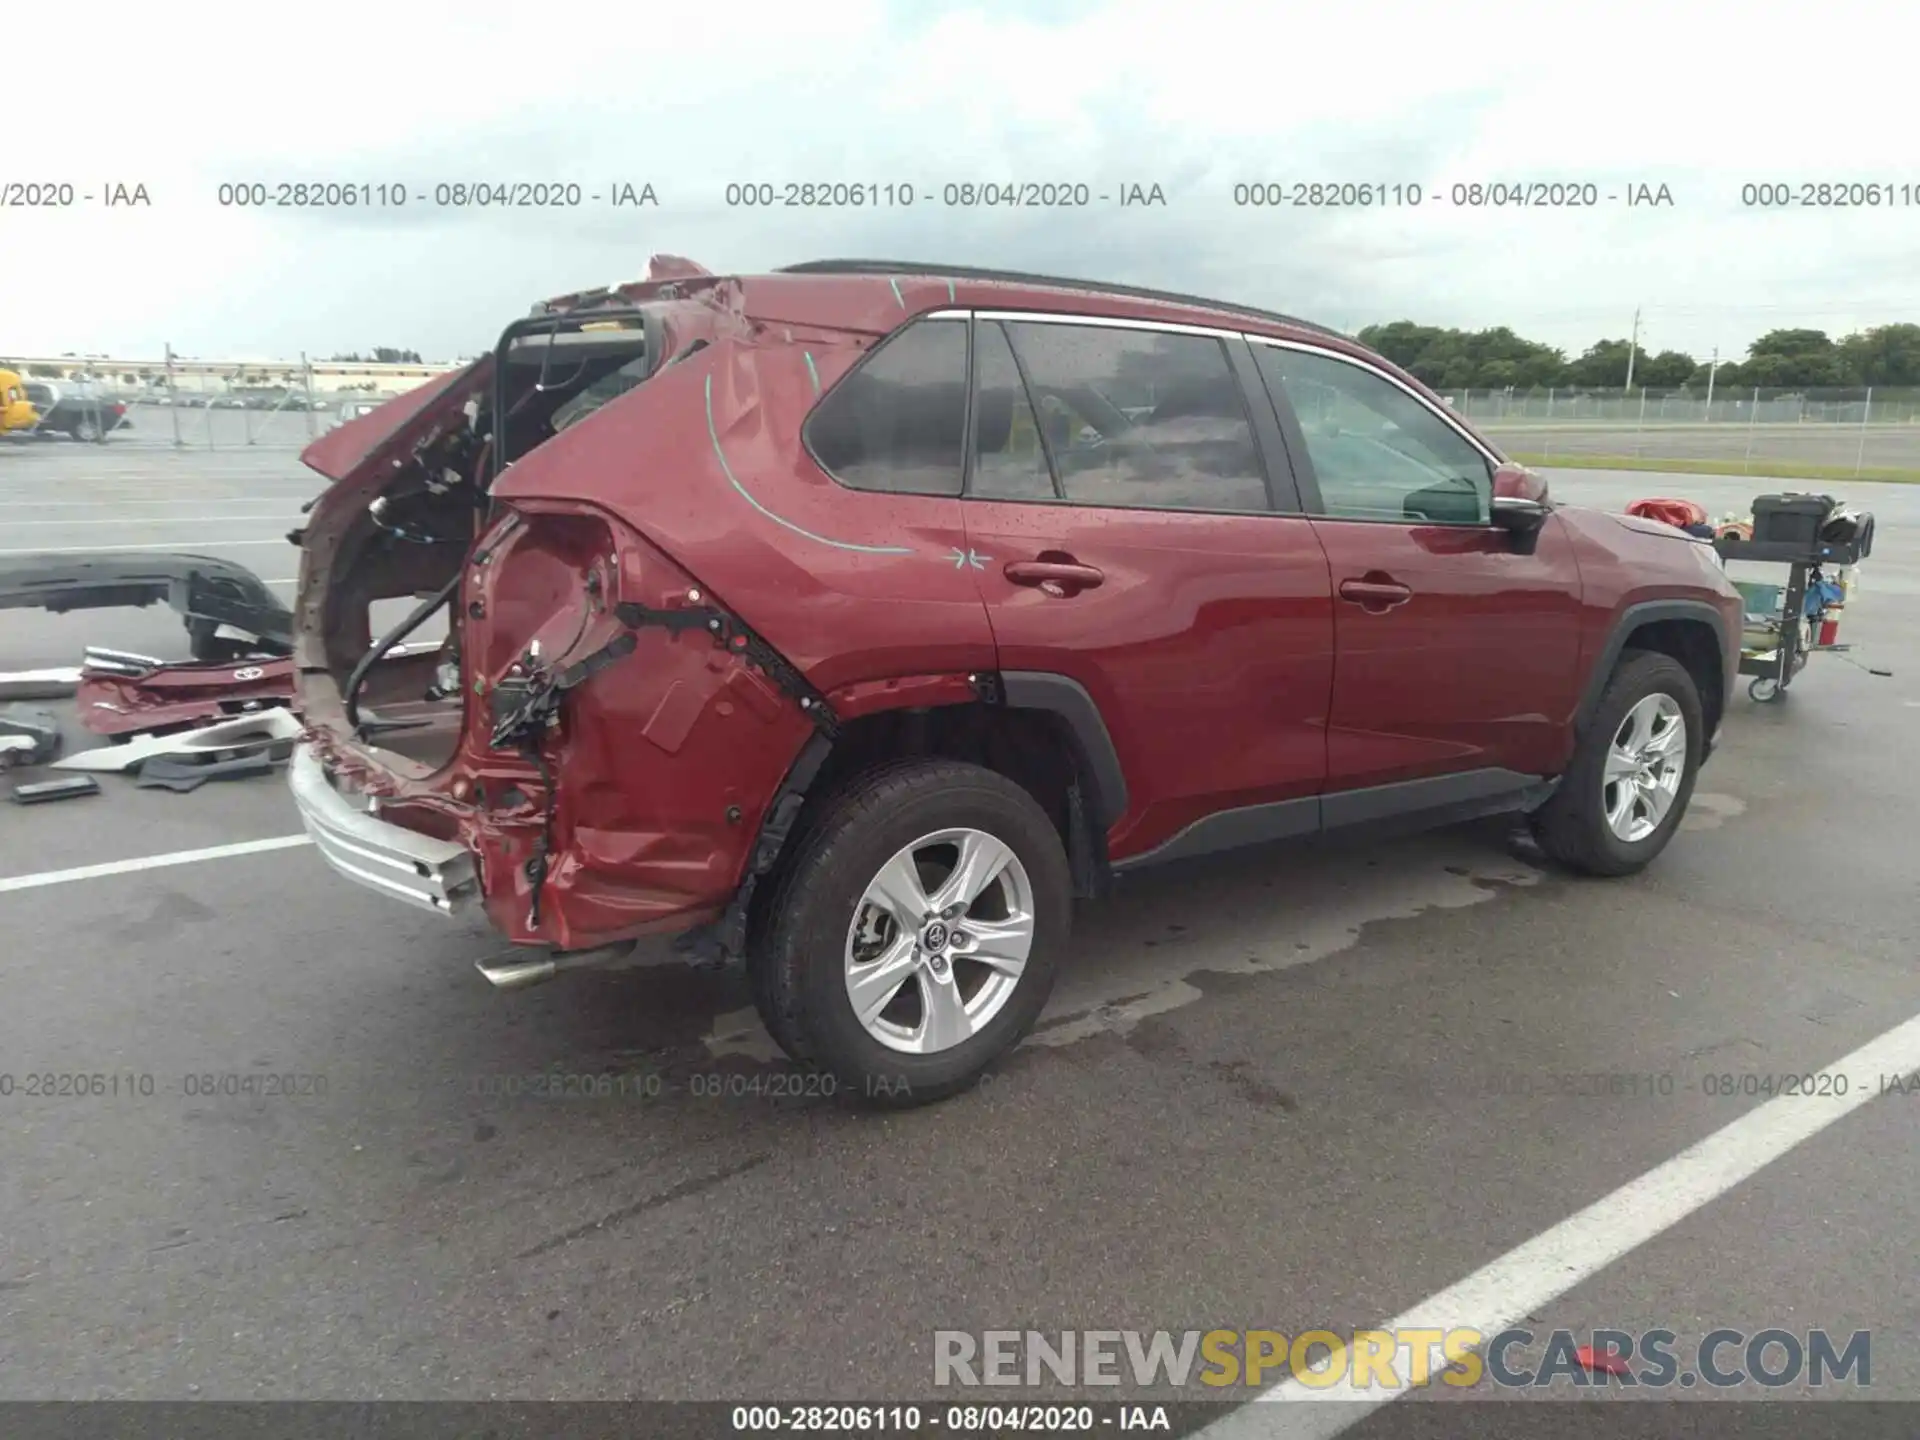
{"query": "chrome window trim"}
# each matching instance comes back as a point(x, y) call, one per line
point(1108, 322)
point(1174, 327)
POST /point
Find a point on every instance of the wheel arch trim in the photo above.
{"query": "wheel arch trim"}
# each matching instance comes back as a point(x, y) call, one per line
point(1067, 698)
point(1634, 618)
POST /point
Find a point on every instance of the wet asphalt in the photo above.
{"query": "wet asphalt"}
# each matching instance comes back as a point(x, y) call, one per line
point(1286, 1089)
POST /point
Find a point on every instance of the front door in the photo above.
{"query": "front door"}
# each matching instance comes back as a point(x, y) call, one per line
point(1456, 656)
point(1123, 537)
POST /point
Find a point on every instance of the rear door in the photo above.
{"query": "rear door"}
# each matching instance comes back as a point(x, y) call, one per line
point(1456, 656)
point(1134, 531)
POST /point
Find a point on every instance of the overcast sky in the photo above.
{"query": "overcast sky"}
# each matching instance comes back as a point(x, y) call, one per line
point(1194, 97)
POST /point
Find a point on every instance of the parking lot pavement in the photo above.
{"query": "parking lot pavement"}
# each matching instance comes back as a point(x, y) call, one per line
point(1287, 1089)
point(1888, 445)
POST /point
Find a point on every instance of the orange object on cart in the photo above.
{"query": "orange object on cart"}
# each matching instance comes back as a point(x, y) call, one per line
point(1678, 513)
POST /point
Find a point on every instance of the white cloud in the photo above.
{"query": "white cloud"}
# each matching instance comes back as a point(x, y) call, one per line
point(1194, 96)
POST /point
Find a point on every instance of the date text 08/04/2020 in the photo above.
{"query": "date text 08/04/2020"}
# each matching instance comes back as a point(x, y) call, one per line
point(1461, 195)
point(952, 194)
point(1662, 1085)
point(955, 1420)
point(468, 194)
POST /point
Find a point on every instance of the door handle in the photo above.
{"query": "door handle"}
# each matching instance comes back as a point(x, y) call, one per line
point(1375, 593)
point(1055, 577)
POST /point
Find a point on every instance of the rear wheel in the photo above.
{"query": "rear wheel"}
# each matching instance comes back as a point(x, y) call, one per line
point(913, 938)
point(87, 428)
point(1632, 773)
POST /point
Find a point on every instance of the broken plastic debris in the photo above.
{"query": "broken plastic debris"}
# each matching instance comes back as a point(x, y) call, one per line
point(39, 684)
point(64, 788)
point(186, 772)
point(29, 736)
point(118, 662)
point(245, 732)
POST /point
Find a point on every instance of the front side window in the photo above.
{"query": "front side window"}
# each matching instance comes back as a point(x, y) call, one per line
point(897, 423)
point(1377, 451)
point(1141, 418)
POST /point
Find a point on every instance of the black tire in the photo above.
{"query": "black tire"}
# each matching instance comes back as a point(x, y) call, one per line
point(1572, 826)
point(88, 430)
point(797, 951)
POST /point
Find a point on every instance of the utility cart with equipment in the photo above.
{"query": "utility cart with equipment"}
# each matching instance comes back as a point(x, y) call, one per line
point(1819, 540)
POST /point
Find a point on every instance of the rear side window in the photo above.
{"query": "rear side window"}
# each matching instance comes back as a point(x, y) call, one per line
point(1142, 418)
point(897, 424)
point(1378, 452)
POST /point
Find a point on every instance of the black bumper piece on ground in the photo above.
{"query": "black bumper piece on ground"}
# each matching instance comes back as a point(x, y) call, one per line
point(207, 591)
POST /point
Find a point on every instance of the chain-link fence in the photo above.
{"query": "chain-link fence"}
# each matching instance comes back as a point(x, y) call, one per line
point(198, 406)
point(1817, 433)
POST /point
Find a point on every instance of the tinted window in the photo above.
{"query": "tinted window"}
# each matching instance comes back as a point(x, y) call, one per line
point(898, 422)
point(1379, 453)
point(606, 388)
point(1010, 463)
point(1140, 418)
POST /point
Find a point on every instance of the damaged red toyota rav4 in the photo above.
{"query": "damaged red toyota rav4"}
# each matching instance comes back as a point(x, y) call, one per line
point(854, 620)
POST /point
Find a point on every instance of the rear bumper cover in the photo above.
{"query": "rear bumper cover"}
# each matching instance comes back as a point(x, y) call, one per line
point(437, 875)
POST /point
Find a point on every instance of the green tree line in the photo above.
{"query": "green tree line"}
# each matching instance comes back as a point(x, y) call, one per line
point(1886, 355)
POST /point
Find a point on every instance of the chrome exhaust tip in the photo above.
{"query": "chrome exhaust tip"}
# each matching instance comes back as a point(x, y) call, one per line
point(511, 972)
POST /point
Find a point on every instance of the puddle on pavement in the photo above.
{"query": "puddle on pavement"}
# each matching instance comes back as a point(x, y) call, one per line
point(1134, 955)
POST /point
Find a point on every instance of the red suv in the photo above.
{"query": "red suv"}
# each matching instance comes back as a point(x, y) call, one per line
point(857, 618)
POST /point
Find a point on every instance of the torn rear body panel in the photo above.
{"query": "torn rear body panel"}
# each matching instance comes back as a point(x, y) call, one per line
point(606, 725)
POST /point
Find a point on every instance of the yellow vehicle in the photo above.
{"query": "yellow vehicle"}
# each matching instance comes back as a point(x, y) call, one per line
point(16, 412)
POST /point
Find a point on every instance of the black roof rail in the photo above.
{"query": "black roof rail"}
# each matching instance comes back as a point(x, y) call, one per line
point(1022, 277)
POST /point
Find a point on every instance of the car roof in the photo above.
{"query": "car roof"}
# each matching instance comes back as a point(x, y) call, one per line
point(1049, 291)
point(876, 295)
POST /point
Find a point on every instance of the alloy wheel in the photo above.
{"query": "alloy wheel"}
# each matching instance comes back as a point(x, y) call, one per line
point(1646, 762)
point(939, 941)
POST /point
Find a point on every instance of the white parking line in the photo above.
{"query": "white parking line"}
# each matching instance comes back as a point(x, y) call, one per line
point(173, 498)
point(176, 545)
point(158, 520)
point(151, 862)
point(1552, 1263)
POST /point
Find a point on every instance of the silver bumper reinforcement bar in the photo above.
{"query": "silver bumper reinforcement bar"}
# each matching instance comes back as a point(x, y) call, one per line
point(433, 874)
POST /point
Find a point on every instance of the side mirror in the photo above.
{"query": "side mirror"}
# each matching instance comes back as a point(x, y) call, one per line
point(1521, 519)
point(1516, 482)
point(1519, 505)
